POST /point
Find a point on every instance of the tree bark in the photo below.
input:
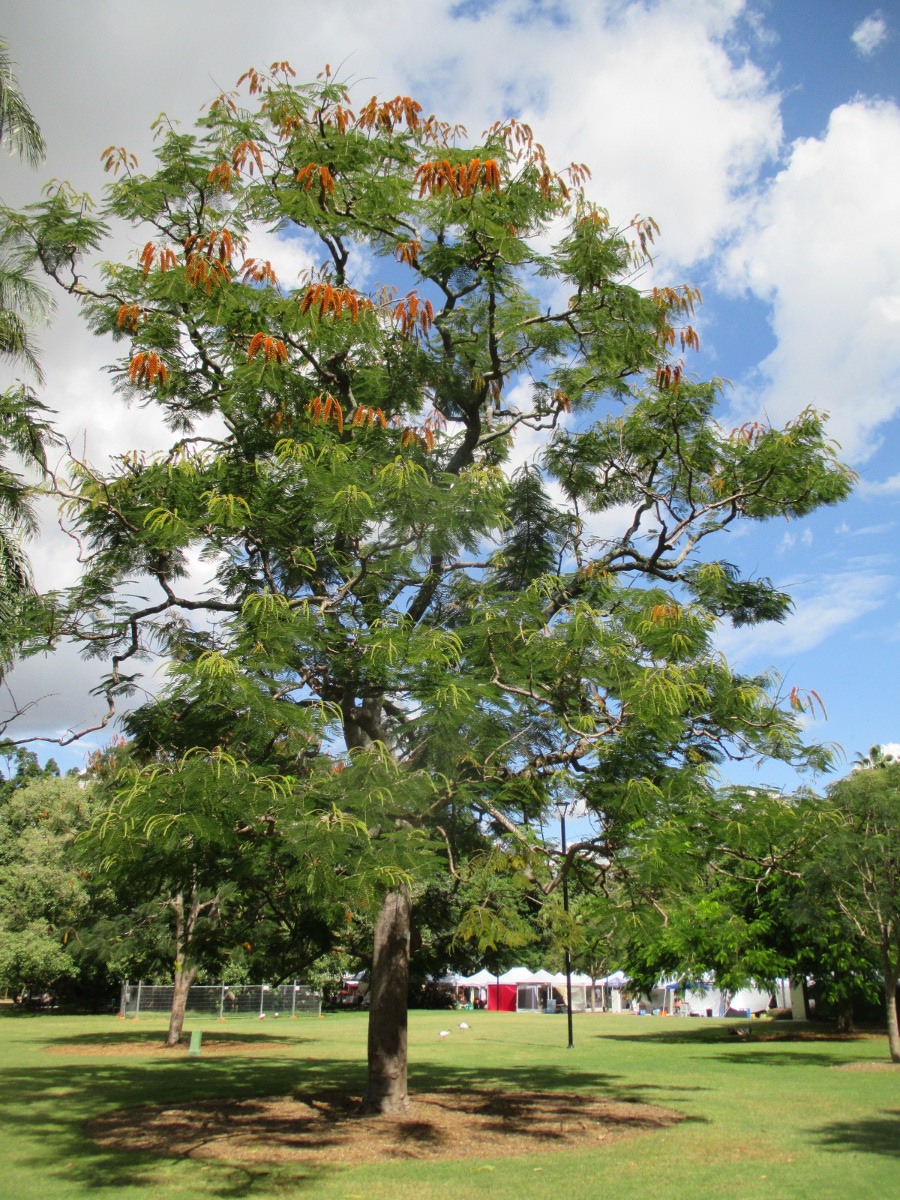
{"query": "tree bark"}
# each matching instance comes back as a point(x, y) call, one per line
point(891, 980)
point(386, 1091)
point(184, 977)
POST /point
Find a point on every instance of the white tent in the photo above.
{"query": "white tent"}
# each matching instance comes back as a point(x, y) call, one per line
point(480, 979)
point(522, 975)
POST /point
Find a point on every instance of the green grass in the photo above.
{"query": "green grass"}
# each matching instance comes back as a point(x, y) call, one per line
point(764, 1119)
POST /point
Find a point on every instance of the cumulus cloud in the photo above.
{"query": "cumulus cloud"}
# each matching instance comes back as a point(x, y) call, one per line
point(837, 603)
point(844, 530)
point(673, 120)
point(885, 487)
point(823, 248)
point(869, 34)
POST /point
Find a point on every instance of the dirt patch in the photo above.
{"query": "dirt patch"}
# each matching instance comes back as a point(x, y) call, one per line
point(127, 1049)
point(328, 1128)
point(876, 1065)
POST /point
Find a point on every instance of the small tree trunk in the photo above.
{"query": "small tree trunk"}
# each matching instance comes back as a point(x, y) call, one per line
point(845, 1022)
point(386, 1091)
point(185, 919)
point(184, 977)
point(891, 979)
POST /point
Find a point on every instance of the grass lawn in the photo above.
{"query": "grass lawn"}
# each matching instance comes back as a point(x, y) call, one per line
point(763, 1118)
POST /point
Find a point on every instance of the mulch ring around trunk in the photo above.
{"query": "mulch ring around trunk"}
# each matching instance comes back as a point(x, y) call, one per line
point(328, 1128)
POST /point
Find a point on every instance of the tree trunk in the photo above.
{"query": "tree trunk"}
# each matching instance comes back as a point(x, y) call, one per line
point(183, 980)
point(845, 1022)
point(891, 980)
point(386, 1091)
point(184, 976)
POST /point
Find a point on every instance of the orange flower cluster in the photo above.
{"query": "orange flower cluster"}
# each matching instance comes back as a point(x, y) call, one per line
point(218, 243)
point(385, 114)
point(166, 257)
point(323, 408)
point(665, 614)
point(256, 80)
point(244, 151)
point(681, 300)
point(806, 703)
point(220, 177)
point(645, 228)
point(307, 176)
point(333, 300)
point(597, 217)
point(750, 433)
point(363, 414)
point(257, 272)
point(273, 351)
point(408, 252)
point(420, 440)
point(147, 367)
point(116, 157)
point(518, 138)
point(128, 314)
point(669, 377)
point(688, 337)
point(423, 437)
point(224, 100)
point(462, 179)
point(414, 316)
point(201, 272)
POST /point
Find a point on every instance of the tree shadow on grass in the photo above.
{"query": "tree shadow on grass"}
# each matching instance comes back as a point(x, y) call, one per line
point(871, 1135)
point(736, 1033)
point(155, 1038)
point(747, 1049)
point(747, 1056)
point(50, 1106)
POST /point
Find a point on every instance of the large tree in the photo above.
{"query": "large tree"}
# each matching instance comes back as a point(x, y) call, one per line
point(454, 486)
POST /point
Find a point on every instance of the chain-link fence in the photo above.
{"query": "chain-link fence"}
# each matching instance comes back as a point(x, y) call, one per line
point(223, 1001)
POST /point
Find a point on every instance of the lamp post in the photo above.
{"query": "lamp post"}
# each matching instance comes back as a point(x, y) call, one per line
point(565, 891)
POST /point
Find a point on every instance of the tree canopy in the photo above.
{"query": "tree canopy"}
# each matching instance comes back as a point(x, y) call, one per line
point(454, 487)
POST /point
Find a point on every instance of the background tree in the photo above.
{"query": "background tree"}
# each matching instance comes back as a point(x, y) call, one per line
point(732, 885)
point(47, 898)
point(201, 845)
point(446, 636)
point(859, 865)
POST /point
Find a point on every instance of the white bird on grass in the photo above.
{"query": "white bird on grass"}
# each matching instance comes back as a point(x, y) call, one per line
point(462, 1025)
point(444, 1033)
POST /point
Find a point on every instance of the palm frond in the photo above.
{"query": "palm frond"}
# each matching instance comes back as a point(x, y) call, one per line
point(18, 128)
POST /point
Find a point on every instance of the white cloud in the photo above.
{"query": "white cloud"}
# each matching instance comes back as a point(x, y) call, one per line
point(865, 530)
point(645, 92)
point(824, 249)
point(836, 606)
point(887, 487)
point(869, 34)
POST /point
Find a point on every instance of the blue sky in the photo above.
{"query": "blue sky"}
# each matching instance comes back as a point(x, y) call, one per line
point(763, 137)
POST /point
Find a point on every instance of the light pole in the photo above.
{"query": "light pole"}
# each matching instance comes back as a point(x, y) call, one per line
point(565, 891)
